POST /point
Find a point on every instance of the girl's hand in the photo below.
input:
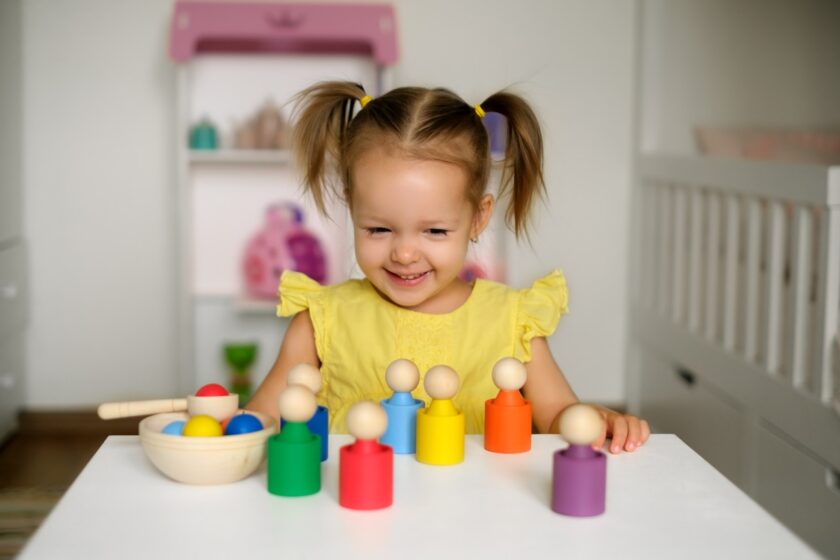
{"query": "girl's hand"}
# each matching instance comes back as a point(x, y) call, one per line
point(628, 432)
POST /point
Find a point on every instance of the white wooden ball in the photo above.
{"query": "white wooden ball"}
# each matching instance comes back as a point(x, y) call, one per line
point(441, 382)
point(307, 375)
point(581, 424)
point(509, 374)
point(366, 420)
point(297, 403)
point(402, 376)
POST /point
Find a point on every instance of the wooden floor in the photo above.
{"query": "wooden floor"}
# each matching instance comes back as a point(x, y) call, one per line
point(50, 449)
point(40, 461)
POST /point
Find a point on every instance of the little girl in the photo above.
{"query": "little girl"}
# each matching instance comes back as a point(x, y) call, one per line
point(413, 166)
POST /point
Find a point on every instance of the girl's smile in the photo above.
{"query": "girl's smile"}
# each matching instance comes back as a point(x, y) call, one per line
point(408, 279)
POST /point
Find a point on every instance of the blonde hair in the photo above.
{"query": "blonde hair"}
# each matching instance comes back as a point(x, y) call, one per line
point(429, 124)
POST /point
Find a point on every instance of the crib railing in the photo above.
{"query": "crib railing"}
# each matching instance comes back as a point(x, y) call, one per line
point(746, 256)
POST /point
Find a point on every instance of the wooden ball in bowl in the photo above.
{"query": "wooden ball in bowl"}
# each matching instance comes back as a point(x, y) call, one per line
point(204, 460)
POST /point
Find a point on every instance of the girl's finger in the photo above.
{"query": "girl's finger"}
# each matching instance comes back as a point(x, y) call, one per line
point(634, 437)
point(619, 434)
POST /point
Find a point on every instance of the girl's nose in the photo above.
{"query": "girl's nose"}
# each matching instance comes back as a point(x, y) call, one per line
point(404, 251)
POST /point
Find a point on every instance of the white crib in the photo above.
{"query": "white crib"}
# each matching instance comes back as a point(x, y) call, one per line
point(734, 326)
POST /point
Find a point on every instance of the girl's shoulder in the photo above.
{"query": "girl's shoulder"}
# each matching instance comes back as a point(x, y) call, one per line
point(297, 291)
point(549, 288)
point(547, 299)
point(539, 311)
point(537, 307)
point(552, 286)
point(529, 312)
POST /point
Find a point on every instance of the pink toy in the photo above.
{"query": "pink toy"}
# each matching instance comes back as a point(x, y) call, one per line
point(282, 244)
point(486, 266)
point(471, 271)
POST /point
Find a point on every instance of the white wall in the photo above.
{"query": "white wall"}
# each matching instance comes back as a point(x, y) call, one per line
point(13, 293)
point(98, 212)
point(737, 62)
point(10, 122)
point(99, 172)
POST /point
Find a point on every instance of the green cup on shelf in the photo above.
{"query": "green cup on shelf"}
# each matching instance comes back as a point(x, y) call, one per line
point(240, 356)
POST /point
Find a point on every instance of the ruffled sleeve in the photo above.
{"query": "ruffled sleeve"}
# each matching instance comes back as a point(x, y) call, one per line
point(540, 309)
point(298, 292)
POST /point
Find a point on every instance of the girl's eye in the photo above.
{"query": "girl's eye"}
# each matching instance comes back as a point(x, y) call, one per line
point(437, 232)
point(377, 230)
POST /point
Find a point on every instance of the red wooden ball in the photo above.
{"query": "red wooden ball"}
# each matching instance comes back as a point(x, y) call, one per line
point(212, 390)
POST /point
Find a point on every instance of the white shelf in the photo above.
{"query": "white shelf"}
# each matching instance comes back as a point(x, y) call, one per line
point(240, 303)
point(223, 194)
point(271, 157)
point(247, 305)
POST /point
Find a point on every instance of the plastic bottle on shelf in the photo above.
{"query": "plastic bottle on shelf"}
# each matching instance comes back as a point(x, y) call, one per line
point(203, 135)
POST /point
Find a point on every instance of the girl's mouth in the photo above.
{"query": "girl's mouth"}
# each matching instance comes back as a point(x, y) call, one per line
point(407, 279)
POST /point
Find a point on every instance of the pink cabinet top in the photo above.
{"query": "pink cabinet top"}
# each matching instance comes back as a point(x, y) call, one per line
point(203, 27)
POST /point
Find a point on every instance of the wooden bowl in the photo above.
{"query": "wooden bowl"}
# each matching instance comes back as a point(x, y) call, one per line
point(220, 407)
point(204, 460)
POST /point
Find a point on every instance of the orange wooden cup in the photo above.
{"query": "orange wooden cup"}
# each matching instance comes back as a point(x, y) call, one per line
point(507, 423)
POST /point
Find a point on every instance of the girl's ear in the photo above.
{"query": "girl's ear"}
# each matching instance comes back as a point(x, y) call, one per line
point(482, 215)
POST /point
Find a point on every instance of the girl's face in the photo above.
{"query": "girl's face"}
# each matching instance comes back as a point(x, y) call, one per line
point(412, 222)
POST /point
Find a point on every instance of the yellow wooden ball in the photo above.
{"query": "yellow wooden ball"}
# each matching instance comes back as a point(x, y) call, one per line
point(202, 425)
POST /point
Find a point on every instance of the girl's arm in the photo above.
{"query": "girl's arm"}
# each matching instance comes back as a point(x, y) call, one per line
point(549, 393)
point(298, 347)
point(546, 388)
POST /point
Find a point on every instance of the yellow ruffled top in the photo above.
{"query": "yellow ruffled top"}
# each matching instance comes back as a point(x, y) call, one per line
point(358, 333)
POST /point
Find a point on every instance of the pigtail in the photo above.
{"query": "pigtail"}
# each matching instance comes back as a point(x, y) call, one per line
point(322, 114)
point(522, 175)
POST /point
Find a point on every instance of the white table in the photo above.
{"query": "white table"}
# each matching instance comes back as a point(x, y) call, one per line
point(663, 501)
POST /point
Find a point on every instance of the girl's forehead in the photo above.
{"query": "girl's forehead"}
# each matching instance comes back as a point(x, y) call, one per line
point(381, 169)
point(423, 189)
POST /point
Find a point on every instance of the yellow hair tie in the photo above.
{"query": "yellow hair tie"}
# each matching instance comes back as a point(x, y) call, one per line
point(479, 111)
point(365, 100)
